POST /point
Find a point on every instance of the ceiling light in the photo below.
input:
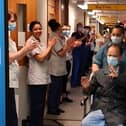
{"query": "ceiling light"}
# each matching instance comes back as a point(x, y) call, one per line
point(94, 16)
point(62, 7)
point(91, 13)
point(100, 21)
point(83, 6)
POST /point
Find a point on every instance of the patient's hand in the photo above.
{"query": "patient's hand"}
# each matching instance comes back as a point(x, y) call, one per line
point(85, 82)
point(113, 72)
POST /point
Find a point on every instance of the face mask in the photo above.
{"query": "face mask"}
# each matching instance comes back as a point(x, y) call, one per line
point(12, 26)
point(116, 40)
point(68, 32)
point(112, 61)
point(64, 33)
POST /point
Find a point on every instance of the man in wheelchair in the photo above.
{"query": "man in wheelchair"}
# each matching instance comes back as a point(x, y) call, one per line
point(108, 86)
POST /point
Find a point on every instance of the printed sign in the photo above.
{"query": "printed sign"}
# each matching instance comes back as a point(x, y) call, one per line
point(110, 7)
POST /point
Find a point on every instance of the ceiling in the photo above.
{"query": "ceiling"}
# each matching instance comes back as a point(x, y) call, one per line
point(102, 1)
point(104, 14)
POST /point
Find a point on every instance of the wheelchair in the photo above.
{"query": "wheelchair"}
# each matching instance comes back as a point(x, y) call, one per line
point(87, 100)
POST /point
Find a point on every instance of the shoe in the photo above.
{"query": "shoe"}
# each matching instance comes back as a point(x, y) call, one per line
point(53, 112)
point(66, 99)
point(60, 110)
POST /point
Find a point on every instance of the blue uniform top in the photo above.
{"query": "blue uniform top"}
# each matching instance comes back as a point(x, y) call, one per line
point(101, 58)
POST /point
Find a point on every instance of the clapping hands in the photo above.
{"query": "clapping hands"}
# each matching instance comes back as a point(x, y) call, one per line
point(29, 46)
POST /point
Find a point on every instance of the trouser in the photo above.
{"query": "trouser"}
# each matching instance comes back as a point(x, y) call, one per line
point(95, 118)
point(54, 93)
point(37, 95)
point(68, 67)
point(75, 78)
point(11, 109)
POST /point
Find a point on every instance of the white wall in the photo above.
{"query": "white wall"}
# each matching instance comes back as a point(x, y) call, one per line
point(42, 17)
point(75, 15)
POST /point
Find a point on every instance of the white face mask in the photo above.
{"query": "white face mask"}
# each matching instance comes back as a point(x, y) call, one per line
point(11, 26)
point(112, 61)
point(66, 33)
point(116, 40)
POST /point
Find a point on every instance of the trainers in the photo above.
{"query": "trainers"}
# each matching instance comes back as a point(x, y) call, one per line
point(66, 99)
point(60, 110)
point(54, 112)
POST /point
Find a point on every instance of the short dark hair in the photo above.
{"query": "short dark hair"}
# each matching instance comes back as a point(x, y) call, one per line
point(118, 26)
point(54, 25)
point(87, 27)
point(116, 46)
point(32, 24)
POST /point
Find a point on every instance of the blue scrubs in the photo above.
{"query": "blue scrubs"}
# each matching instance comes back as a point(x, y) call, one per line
point(80, 58)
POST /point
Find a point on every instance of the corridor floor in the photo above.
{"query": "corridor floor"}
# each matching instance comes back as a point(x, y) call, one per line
point(73, 111)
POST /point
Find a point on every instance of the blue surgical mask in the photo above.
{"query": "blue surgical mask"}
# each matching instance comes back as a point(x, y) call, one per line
point(11, 26)
point(64, 32)
point(112, 61)
point(116, 40)
point(68, 32)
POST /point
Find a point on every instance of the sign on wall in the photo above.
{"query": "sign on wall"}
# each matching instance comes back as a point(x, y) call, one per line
point(110, 7)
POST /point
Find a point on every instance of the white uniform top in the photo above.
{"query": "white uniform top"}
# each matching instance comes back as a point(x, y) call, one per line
point(57, 64)
point(37, 71)
point(68, 54)
point(13, 67)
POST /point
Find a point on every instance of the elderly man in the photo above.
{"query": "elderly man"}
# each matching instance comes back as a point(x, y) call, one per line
point(109, 88)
